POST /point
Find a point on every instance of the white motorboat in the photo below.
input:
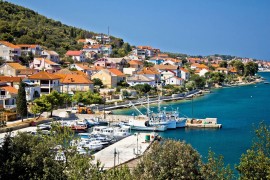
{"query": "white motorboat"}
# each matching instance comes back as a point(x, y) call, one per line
point(142, 123)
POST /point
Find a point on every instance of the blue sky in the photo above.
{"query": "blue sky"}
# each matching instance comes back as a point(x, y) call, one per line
point(195, 27)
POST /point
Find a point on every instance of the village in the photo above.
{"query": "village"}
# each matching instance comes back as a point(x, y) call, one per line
point(114, 79)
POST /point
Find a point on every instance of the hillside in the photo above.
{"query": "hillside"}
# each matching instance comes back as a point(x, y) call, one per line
point(20, 25)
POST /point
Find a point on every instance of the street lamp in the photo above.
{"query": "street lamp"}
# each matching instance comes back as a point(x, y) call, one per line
point(138, 152)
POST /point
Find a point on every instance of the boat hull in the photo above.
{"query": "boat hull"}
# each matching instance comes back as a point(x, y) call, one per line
point(171, 124)
point(149, 128)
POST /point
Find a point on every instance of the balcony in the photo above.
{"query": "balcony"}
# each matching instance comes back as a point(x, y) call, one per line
point(5, 96)
point(10, 106)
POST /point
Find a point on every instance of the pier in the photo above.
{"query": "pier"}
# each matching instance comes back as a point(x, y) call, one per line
point(124, 150)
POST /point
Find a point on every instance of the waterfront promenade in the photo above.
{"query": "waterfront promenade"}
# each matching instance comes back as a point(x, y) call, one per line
point(124, 150)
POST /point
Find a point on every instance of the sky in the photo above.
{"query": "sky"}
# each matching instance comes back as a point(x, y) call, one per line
point(194, 27)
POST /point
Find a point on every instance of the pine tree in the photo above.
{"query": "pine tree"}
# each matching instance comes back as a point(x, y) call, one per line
point(21, 101)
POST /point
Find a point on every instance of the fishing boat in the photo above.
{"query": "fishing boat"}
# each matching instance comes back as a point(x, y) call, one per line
point(142, 123)
point(181, 122)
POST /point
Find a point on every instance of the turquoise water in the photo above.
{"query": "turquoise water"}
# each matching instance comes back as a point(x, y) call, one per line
point(238, 109)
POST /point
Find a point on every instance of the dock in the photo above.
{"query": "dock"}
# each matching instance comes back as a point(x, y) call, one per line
point(124, 150)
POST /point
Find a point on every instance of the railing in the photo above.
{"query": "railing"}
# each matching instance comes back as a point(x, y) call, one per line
point(10, 106)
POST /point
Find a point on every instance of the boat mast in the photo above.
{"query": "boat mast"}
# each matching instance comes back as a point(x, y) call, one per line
point(131, 104)
point(148, 106)
point(159, 103)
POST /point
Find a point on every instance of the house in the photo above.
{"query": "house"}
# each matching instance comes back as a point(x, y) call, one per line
point(140, 79)
point(47, 82)
point(8, 96)
point(140, 53)
point(162, 68)
point(151, 73)
point(202, 72)
point(73, 82)
point(87, 41)
point(77, 56)
point(26, 72)
point(129, 71)
point(28, 49)
point(11, 69)
point(172, 61)
point(83, 67)
point(148, 51)
point(109, 77)
point(32, 90)
point(166, 74)
point(118, 63)
point(198, 66)
point(160, 55)
point(222, 70)
point(185, 74)
point(9, 51)
point(103, 39)
point(51, 55)
point(106, 50)
point(11, 81)
point(156, 61)
point(44, 64)
point(193, 60)
point(135, 64)
point(92, 48)
point(174, 80)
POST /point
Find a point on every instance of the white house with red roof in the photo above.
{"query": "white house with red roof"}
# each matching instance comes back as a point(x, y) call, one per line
point(8, 96)
point(92, 48)
point(26, 49)
point(174, 80)
point(9, 51)
point(83, 67)
point(47, 82)
point(51, 55)
point(44, 64)
point(77, 56)
point(165, 74)
point(185, 74)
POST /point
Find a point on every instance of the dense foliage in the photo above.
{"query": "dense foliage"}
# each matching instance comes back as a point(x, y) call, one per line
point(255, 163)
point(34, 157)
point(20, 25)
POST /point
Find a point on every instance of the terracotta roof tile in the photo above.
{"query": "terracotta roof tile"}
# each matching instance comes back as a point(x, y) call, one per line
point(10, 79)
point(8, 44)
point(135, 62)
point(83, 66)
point(9, 89)
point(75, 79)
point(163, 67)
point(184, 70)
point(74, 53)
point(16, 66)
point(148, 70)
point(43, 75)
point(116, 72)
point(27, 45)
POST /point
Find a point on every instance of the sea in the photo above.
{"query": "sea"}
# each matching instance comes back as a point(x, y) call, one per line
point(239, 109)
